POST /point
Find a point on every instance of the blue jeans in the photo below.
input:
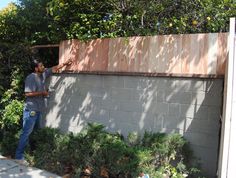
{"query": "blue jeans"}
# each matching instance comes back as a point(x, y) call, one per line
point(30, 120)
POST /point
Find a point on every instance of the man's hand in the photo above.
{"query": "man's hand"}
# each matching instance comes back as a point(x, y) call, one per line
point(68, 62)
point(58, 67)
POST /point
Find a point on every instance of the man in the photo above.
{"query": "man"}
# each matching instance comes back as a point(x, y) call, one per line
point(35, 92)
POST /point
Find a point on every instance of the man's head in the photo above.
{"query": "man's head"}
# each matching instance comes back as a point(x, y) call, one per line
point(37, 66)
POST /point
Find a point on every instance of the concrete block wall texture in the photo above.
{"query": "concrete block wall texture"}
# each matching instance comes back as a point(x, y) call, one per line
point(189, 106)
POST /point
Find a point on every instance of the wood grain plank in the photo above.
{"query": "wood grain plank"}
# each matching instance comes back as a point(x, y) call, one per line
point(222, 53)
point(187, 54)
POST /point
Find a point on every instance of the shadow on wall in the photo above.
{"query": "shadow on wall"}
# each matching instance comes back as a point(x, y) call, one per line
point(189, 106)
point(124, 104)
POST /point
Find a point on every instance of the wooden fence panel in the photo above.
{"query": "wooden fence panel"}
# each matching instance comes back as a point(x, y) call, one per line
point(186, 54)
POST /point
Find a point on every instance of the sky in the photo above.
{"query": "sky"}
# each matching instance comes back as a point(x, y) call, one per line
point(3, 3)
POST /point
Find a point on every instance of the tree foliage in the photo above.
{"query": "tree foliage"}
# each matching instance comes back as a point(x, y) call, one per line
point(84, 20)
point(26, 22)
point(50, 21)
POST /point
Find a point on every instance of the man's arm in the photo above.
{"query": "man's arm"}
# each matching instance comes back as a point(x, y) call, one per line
point(36, 93)
point(58, 67)
point(31, 87)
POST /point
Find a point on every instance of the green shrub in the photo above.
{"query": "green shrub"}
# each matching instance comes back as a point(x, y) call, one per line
point(11, 115)
point(11, 107)
point(9, 143)
point(157, 154)
point(44, 145)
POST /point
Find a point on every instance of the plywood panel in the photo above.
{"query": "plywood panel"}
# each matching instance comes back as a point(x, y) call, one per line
point(175, 49)
point(98, 55)
point(186, 54)
point(143, 54)
point(117, 57)
point(133, 50)
point(83, 58)
point(212, 53)
point(222, 53)
point(154, 52)
point(186, 48)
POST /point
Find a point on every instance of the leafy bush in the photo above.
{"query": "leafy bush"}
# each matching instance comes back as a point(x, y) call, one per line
point(11, 108)
point(11, 103)
point(9, 143)
point(11, 115)
point(101, 153)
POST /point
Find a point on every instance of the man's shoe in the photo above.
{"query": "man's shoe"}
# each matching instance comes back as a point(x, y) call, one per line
point(22, 162)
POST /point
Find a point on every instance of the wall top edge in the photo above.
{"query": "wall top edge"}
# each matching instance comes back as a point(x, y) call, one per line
point(191, 34)
point(211, 76)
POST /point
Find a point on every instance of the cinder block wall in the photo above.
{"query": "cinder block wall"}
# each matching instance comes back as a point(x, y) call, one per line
point(191, 107)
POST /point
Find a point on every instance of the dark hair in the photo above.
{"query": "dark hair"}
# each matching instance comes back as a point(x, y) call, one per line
point(35, 63)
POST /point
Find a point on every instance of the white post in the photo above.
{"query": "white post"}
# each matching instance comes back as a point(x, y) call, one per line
point(232, 139)
point(227, 156)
